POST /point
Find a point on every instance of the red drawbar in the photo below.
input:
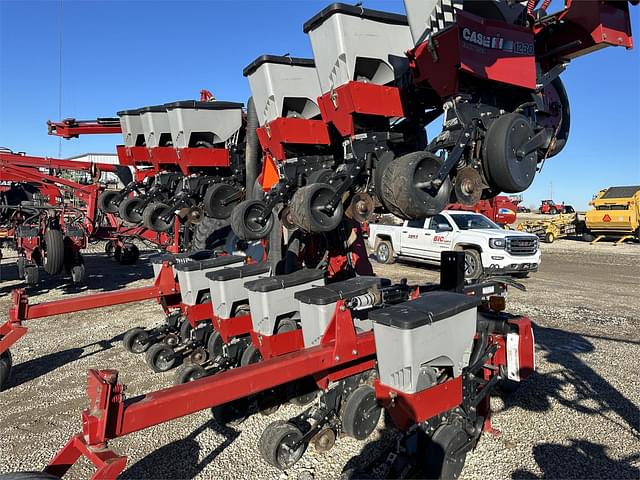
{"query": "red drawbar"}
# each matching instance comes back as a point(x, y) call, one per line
point(280, 132)
point(407, 409)
point(339, 106)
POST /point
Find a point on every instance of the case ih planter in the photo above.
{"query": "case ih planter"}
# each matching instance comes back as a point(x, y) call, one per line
point(452, 409)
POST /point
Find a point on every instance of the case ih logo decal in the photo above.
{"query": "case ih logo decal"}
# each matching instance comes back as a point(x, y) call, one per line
point(496, 42)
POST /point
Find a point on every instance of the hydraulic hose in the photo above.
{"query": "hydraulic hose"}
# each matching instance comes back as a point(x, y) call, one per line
point(252, 150)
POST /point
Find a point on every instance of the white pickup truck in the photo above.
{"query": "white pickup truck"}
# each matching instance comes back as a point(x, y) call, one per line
point(487, 247)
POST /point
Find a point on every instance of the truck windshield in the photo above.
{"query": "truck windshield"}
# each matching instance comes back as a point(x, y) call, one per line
point(467, 221)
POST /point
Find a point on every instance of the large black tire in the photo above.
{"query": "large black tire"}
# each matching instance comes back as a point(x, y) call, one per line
point(399, 186)
point(472, 264)
point(505, 171)
point(244, 223)
point(214, 200)
point(54, 251)
point(128, 255)
point(361, 412)
point(562, 135)
point(274, 441)
point(384, 252)
point(444, 458)
point(6, 362)
point(152, 217)
point(210, 234)
point(307, 211)
point(128, 210)
point(106, 201)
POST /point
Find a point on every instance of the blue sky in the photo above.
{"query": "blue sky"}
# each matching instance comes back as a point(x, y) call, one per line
point(125, 54)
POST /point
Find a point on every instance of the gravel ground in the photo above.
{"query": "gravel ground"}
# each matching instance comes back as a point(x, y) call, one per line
point(578, 417)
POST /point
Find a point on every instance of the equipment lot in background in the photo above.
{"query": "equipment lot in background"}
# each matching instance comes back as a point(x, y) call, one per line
point(574, 419)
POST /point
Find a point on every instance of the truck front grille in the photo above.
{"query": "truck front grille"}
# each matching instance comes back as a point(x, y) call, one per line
point(519, 246)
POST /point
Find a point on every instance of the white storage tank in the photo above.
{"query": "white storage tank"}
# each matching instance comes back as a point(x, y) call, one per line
point(283, 87)
point(198, 124)
point(355, 43)
point(131, 126)
point(155, 125)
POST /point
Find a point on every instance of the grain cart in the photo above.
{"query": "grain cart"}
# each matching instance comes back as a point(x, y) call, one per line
point(616, 213)
point(448, 402)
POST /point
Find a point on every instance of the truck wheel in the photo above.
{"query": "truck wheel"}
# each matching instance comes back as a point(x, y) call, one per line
point(507, 170)
point(588, 237)
point(553, 211)
point(472, 264)
point(384, 252)
point(128, 210)
point(54, 251)
point(403, 189)
point(549, 237)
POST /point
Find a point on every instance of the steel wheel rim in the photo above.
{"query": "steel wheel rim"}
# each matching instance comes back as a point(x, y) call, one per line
point(383, 252)
point(470, 265)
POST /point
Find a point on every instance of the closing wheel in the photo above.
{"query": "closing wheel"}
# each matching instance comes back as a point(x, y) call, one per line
point(161, 357)
point(250, 355)
point(361, 207)
point(129, 210)
point(128, 254)
point(310, 208)
point(287, 221)
point(560, 115)
point(361, 413)
point(215, 346)
point(154, 217)
point(468, 186)
point(199, 356)
point(446, 452)
point(509, 168)
point(251, 220)
point(220, 199)
point(384, 252)
point(276, 444)
point(472, 264)
point(406, 186)
point(136, 340)
point(54, 251)
point(108, 201)
point(6, 362)
point(189, 373)
point(324, 440)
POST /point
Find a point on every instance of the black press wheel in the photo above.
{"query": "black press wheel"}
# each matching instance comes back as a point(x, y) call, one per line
point(406, 190)
point(310, 208)
point(6, 362)
point(220, 199)
point(54, 251)
point(472, 265)
point(136, 340)
point(189, 373)
point(107, 201)
point(361, 413)
point(446, 452)
point(127, 255)
point(215, 346)
point(250, 355)
point(129, 210)
point(154, 217)
point(384, 252)
point(276, 444)
point(508, 168)
point(251, 220)
point(161, 358)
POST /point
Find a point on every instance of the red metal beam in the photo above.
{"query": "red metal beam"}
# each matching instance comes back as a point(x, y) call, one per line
point(72, 128)
point(46, 162)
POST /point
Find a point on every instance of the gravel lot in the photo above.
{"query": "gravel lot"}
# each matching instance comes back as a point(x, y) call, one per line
point(578, 417)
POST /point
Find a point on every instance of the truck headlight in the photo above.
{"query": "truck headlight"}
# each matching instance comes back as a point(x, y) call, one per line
point(497, 243)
